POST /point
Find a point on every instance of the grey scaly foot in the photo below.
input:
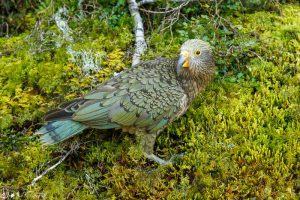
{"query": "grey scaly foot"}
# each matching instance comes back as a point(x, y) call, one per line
point(161, 161)
point(155, 159)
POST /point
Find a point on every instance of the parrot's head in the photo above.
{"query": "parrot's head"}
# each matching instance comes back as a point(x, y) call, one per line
point(196, 58)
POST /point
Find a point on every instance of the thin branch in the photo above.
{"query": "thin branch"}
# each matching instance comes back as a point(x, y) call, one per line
point(143, 2)
point(134, 7)
point(2, 28)
point(261, 59)
point(140, 43)
point(74, 147)
point(171, 20)
point(171, 16)
point(53, 166)
point(167, 11)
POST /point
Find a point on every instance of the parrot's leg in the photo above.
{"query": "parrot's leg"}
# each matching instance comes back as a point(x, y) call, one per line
point(147, 141)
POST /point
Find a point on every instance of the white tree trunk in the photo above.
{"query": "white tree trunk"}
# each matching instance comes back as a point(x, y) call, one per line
point(140, 43)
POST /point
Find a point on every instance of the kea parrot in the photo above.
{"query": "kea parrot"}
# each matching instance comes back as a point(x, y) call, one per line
point(141, 100)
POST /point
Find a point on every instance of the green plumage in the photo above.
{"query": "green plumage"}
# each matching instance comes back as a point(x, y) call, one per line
point(142, 99)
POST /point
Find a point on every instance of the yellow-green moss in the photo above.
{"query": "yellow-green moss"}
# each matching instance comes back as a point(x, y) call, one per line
point(240, 138)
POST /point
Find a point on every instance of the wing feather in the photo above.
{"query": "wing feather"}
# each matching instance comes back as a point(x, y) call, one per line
point(146, 96)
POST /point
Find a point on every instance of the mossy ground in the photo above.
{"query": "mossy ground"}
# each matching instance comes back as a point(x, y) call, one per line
point(240, 138)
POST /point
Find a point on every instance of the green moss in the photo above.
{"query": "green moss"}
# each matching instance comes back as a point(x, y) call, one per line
point(240, 138)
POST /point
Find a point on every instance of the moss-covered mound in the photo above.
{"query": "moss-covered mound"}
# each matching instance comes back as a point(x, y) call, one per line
point(241, 138)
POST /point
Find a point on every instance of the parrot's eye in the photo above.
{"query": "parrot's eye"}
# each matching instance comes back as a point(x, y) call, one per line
point(197, 52)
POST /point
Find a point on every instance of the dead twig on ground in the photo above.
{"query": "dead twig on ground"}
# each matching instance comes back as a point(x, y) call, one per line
point(55, 165)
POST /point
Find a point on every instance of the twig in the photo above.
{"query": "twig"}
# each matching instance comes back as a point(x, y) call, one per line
point(261, 59)
point(171, 16)
point(167, 11)
point(140, 43)
point(92, 186)
point(143, 2)
point(171, 20)
point(53, 166)
point(74, 146)
point(2, 28)
point(134, 7)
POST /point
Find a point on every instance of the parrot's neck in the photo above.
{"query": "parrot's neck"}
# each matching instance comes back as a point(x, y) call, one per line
point(194, 85)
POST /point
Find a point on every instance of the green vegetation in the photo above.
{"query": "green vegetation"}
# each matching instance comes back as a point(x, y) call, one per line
point(241, 138)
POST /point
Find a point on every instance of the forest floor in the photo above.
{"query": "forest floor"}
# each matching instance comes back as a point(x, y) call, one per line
point(240, 138)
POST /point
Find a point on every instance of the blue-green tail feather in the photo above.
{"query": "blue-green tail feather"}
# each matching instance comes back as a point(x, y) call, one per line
point(58, 131)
